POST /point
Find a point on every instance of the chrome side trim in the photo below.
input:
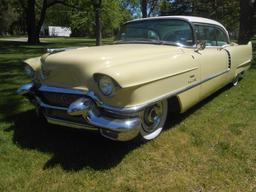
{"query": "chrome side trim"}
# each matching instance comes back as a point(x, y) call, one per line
point(246, 63)
point(171, 75)
point(214, 76)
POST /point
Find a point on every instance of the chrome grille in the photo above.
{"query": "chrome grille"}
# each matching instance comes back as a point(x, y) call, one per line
point(58, 99)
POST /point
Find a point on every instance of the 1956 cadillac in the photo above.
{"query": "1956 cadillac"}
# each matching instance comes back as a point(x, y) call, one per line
point(125, 90)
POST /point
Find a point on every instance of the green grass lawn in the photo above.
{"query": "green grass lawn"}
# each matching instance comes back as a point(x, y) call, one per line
point(212, 147)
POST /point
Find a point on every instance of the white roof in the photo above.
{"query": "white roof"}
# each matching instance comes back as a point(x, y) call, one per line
point(192, 19)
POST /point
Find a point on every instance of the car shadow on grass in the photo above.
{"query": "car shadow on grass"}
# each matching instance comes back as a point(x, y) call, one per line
point(74, 149)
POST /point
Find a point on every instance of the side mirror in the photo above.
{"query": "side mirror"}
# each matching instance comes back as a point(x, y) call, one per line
point(200, 46)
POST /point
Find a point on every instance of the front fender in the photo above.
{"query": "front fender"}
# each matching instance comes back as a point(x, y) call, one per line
point(142, 85)
point(34, 62)
point(151, 70)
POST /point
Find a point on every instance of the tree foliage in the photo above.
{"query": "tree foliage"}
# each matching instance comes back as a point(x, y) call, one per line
point(142, 8)
point(11, 18)
point(97, 18)
point(224, 11)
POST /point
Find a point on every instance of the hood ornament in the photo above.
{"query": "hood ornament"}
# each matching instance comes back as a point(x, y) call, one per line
point(57, 50)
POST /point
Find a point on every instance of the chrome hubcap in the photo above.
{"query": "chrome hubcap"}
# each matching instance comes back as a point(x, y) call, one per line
point(235, 82)
point(152, 117)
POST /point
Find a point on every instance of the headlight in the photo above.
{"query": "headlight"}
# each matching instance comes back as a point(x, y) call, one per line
point(106, 85)
point(29, 71)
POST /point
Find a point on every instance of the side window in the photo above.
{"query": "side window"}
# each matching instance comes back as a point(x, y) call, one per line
point(221, 37)
point(207, 34)
point(213, 36)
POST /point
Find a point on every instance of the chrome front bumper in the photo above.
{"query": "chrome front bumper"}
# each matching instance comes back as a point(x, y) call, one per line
point(122, 128)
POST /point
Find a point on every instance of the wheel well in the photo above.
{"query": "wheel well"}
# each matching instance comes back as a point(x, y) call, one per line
point(173, 104)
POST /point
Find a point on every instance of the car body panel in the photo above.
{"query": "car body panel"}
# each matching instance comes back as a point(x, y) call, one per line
point(161, 71)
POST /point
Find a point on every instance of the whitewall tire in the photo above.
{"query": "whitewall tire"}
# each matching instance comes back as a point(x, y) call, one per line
point(153, 120)
point(236, 80)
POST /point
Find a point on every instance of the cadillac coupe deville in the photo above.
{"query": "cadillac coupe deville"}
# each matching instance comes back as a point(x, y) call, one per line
point(125, 90)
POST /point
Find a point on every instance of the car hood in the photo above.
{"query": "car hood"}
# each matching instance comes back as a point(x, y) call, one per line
point(128, 64)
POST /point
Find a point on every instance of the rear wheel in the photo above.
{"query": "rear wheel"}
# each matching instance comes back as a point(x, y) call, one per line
point(153, 120)
point(236, 80)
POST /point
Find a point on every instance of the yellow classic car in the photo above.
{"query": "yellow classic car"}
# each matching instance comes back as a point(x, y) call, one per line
point(125, 90)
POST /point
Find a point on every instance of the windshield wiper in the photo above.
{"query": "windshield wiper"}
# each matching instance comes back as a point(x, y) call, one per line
point(137, 41)
point(168, 43)
point(148, 41)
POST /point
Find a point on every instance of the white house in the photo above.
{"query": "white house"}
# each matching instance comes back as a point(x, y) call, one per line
point(58, 31)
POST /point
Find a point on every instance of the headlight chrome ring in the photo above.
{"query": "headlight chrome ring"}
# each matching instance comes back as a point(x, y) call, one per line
point(29, 71)
point(106, 85)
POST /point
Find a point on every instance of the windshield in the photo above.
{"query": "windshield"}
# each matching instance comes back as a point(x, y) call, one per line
point(165, 31)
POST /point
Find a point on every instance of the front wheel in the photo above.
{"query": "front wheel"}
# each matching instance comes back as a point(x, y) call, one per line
point(153, 120)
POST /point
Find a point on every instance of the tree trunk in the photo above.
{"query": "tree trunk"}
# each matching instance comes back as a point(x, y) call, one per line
point(42, 18)
point(33, 37)
point(246, 21)
point(34, 26)
point(143, 7)
point(98, 27)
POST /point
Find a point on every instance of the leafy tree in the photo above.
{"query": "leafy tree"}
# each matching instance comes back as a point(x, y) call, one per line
point(178, 7)
point(113, 15)
point(58, 15)
point(9, 17)
point(142, 8)
point(149, 7)
point(224, 11)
